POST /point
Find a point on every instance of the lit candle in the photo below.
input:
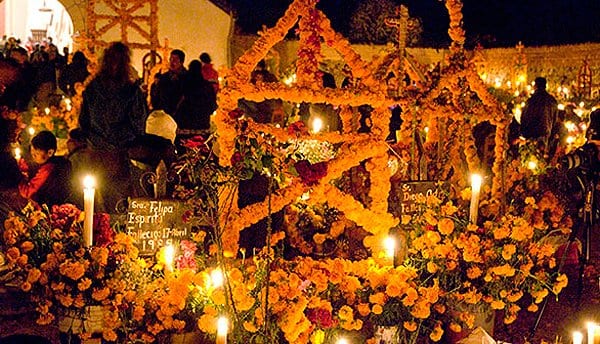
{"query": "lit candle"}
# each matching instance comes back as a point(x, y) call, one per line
point(317, 125)
point(88, 208)
point(216, 278)
point(389, 245)
point(475, 188)
point(18, 153)
point(591, 329)
point(222, 328)
point(577, 337)
point(31, 131)
point(342, 341)
point(47, 111)
point(169, 257)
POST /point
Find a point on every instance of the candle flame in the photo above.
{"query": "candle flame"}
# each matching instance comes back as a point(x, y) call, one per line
point(317, 125)
point(343, 341)
point(169, 256)
point(89, 182)
point(216, 277)
point(390, 246)
point(476, 180)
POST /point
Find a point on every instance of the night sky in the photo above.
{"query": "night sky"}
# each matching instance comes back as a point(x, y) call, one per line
point(493, 23)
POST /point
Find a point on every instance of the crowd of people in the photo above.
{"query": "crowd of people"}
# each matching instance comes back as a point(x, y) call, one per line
point(45, 75)
point(121, 136)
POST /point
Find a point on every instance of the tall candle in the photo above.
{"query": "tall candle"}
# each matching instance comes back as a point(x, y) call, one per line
point(577, 337)
point(222, 328)
point(591, 329)
point(475, 188)
point(88, 209)
point(389, 245)
point(18, 153)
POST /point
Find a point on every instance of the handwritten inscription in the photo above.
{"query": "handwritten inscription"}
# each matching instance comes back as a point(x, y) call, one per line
point(155, 223)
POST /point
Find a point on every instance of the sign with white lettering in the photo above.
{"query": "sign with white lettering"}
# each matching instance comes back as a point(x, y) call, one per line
point(402, 200)
point(154, 223)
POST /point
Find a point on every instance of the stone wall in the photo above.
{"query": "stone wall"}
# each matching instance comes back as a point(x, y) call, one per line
point(559, 64)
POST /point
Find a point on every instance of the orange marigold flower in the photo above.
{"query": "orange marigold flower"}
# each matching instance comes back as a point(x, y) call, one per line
point(474, 272)
point(346, 313)
point(410, 326)
point(497, 304)
point(84, 284)
point(27, 246)
point(377, 309)
point(533, 308)
point(508, 251)
point(100, 294)
point(363, 309)
point(33, 275)
point(378, 298)
point(437, 333)
point(445, 226)
point(26, 286)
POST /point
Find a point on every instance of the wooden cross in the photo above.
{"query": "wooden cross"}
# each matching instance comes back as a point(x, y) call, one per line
point(400, 23)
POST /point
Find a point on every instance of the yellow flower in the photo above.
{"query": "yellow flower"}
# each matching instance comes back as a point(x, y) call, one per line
point(497, 304)
point(33, 275)
point(432, 267)
point(319, 238)
point(473, 272)
point(250, 327)
point(84, 284)
point(26, 246)
point(363, 309)
point(377, 298)
point(508, 251)
point(346, 313)
point(100, 294)
point(410, 326)
point(445, 226)
point(437, 333)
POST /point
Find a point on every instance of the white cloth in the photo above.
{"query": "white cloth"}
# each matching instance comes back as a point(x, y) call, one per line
point(159, 123)
point(478, 336)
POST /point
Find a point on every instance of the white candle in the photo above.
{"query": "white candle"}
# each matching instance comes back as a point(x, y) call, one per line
point(17, 153)
point(169, 257)
point(591, 329)
point(88, 209)
point(217, 278)
point(475, 188)
point(577, 337)
point(317, 125)
point(222, 328)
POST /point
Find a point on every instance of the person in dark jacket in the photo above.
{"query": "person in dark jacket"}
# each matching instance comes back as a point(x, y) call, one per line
point(51, 183)
point(199, 100)
point(113, 114)
point(74, 72)
point(167, 90)
point(539, 115)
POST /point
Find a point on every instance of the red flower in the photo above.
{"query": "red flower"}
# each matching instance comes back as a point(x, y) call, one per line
point(103, 232)
point(236, 113)
point(194, 142)
point(320, 317)
point(236, 159)
point(297, 128)
point(310, 173)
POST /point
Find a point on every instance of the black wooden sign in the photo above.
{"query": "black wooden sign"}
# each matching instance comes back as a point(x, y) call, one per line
point(402, 200)
point(154, 223)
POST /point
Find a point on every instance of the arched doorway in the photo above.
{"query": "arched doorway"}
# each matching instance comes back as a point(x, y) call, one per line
point(34, 21)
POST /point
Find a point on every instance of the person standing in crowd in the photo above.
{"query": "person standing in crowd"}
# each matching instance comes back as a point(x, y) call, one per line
point(198, 103)
point(51, 182)
point(10, 175)
point(21, 91)
point(539, 116)
point(113, 114)
point(167, 90)
point(74, 72)
point(209, 72)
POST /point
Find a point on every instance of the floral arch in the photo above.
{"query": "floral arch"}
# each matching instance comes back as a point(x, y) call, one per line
point(441, 105)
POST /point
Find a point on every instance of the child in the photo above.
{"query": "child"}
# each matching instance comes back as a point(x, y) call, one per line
point(50, 184)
